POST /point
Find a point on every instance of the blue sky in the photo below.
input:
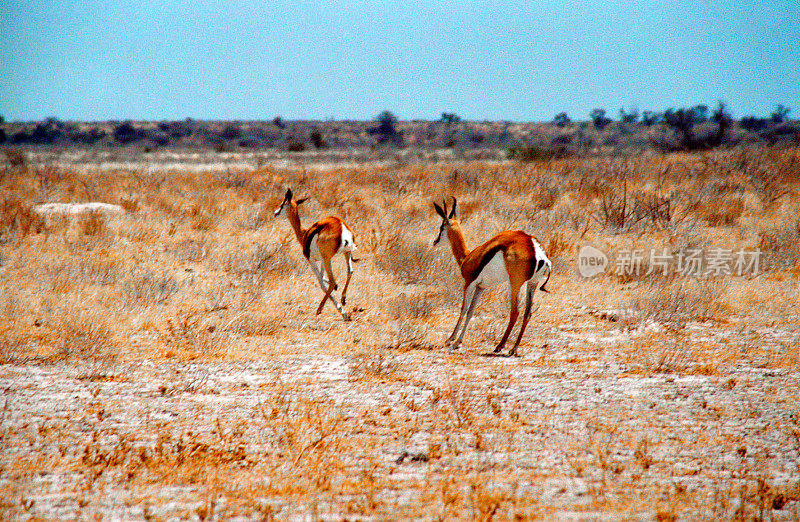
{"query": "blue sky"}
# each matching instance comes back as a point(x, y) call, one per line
point(482, 60)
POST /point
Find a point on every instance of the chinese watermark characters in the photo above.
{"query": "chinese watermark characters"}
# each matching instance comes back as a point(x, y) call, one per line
point(692, 262)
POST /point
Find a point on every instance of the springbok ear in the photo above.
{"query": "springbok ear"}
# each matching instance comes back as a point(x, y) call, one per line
point(288, 194)
point(301, 200)
point(439, 210)
point(454, 210)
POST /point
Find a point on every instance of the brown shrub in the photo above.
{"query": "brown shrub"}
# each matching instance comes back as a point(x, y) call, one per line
point(129, 203)
point(92, 223)
point(18, 216)
point(722, 212)
point(409, 261)
point(558, 245)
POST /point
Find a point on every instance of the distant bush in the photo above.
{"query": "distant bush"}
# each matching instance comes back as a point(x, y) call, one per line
point(49, 131)
point(231, 132)
point(683, 120)
point(19, 138)
point(650, 117)
point(699, 113)
point(561, 119)
point(562, 139)
point(295, 145)
point(159, 139)
point(125, 133)
point(723, 119)
point(599, 120)
point(387, 128)
point(177, 129)
point(89, 137)
point(780, 113)
point(316, 139)
point(686, 117)
point(754, 123)
point(628, 117)
point(387, 123)
point(448, 117)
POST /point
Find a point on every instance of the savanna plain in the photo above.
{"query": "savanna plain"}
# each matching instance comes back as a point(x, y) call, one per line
point(166, 363)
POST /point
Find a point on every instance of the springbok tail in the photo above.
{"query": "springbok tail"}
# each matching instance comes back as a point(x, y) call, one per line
point(542, 288)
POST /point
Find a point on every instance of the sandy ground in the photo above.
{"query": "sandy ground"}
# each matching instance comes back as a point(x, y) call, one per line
point(567, 431)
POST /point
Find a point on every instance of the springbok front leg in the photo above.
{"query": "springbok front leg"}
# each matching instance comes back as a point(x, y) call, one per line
point(476, 295)
point(465, 302)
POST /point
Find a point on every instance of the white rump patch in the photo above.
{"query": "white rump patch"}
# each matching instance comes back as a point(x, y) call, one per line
point(348, 242)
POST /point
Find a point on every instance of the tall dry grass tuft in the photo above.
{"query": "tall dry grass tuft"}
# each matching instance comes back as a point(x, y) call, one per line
point(86, 337)
point(188, 336)
point(407, 260)
point(17, 218)
point(145, 288)
point(722, 212)
point(675, 303)
point(92, 224)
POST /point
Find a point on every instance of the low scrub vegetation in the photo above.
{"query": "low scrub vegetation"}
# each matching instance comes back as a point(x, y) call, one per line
point(685, 128)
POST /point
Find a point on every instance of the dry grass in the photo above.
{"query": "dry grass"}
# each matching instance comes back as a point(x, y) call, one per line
point(197, 276)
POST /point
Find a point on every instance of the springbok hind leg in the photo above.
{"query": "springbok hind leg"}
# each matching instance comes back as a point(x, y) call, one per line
point(317, 270)
point(321, 281)
point(329, 291)
point(526, 315)
point(331, 285)
point(513, 294)
point(349, 264)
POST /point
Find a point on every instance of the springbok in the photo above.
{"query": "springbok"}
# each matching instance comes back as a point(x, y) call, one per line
point(512, 256)
point(320, 242)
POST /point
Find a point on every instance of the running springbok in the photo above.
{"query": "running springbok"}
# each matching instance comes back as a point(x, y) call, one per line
point(321, 241)
point(512, 256)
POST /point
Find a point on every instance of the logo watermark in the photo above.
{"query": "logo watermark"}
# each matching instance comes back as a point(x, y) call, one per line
point(691, 262)
point(591, 261)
